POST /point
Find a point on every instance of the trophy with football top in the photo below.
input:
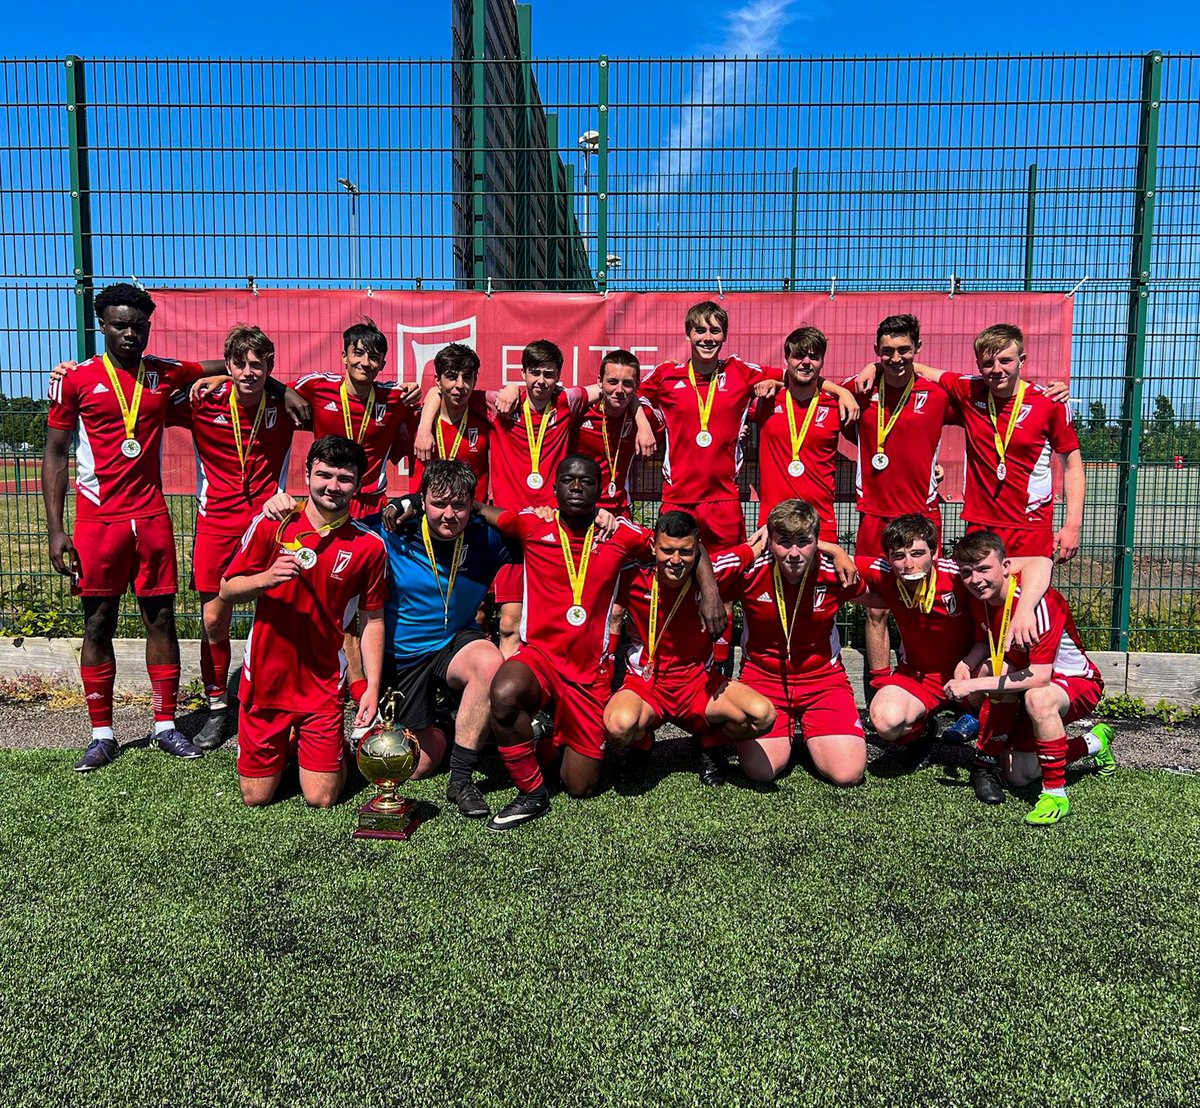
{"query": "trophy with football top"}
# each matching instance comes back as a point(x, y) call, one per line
point(387, 756)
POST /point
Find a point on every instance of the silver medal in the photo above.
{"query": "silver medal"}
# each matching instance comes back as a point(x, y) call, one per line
point(704, 439)
point(796, 468)
point(879, 462)
point(131, 448)
point(306, 558)
point(576, 615)
point(1001, 471)
point(535, 480)
point(612, 488)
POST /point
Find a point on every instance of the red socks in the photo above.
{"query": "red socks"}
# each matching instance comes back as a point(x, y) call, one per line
point(522, 765)
point(164, 680)
point(98, 691)
point(1076, 748)
point(1052, 756)
point(214, 667)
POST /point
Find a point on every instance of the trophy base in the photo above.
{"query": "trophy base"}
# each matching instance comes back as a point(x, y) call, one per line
point(398, 824)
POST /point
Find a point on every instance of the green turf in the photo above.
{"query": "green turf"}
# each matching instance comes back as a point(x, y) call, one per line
point(893, 944)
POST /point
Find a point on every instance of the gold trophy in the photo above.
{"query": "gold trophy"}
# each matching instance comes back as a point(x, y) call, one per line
point(387, 756)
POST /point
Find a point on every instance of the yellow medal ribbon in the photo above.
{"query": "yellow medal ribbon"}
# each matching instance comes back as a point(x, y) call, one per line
point(609, 456)
point(576, 575)
point(535, 446)
point(923, 595)
point(362, 427)
point(235, 420)
point(704, 406)
point(427, 538)
point(781, 604)
point(653, 636)
point(798, 440)
point(458, 438)
point(882, 430)
point(1013, 416)
point(297, 542)
point(997, 648)
point(129, 409)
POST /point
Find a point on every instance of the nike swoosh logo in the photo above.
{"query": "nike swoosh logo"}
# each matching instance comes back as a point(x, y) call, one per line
point(502, 820)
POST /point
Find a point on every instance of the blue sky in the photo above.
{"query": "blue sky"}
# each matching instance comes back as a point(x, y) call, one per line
point(369, 28)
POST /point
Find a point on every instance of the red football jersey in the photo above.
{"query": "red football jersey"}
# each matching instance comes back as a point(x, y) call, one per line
point(473, 449)
point(1059, 642)
point(908, 483)
point(578, 649)
point(933, 642)
point(511, 465)
point(389, 431)
point(814, 640)
point(227, 498)
point(293, 652)
point(818, 456)
point(694, 473)
point(622, 446)
point(108, 485)
point(1025, 498)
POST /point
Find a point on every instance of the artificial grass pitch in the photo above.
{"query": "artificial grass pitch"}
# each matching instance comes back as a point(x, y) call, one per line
point(666, 944)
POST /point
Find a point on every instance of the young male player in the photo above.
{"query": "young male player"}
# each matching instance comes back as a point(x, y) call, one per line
point(790, 598)
point(308, 573)
point(461, 428)
point(569, 587)
point(123, 538)
point(1054, 682)
point(243, 440)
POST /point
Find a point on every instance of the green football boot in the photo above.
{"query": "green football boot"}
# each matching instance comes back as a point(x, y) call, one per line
point(1049, 809)
point(1106, 763)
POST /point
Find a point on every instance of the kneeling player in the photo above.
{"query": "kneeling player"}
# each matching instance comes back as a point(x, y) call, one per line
point(1054, 681)
point(308, 573)
point(670, 679)
point(790, 599)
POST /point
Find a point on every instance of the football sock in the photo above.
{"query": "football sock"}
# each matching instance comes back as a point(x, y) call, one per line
point(1078, 748)
point(1052, 756)
point(214, 669)
point(102, 733)
point(521, 762)
point(164, 680)
point(98, 691)
point(462, 762)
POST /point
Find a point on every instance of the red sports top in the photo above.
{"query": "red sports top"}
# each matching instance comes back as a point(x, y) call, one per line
point(578, 650)
point(622, 445)
point(933, 642)
point(510, 460)
point(693, 474)
point(293, 652)
point(1025, 498)
point(1059, 642)
point(473, 448)
point(109, 486)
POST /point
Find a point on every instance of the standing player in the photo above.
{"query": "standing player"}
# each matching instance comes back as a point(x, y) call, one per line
point(123, 537)
point(791, 654)
point(1054, 681)
point(309, 574)
point(461, 429)
point(243, 441)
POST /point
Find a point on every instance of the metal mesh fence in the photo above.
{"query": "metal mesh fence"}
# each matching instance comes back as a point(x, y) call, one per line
point(974, 173)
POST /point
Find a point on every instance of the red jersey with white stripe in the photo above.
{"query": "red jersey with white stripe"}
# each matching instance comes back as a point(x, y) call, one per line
point(1059, 642)
point(908, 483)
point(109, 486)
point(934, 641)
point(293, 655)
point(511, 465)
point(226, 498)
point(818, 455)
point(578, 650)
point(389, 431)
point(1044, 427)
point(622, 446)
point(694, 473)
point(472, 448)
point(814, 638)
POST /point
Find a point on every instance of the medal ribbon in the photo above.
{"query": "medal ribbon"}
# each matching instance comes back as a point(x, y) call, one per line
point(129, 409)
point(997, 647)
point(296, 542)
point(370, 407)
point(577, 577)
point(882, 430)
point(1002, 444)
point(781, 604)
point(458, 438)
point(654, 636)
point(535, 446)
point(609, 457)
point(453, 574)
point(704, 406)
point(923, 595)
point(798, 440)
point(235, 420)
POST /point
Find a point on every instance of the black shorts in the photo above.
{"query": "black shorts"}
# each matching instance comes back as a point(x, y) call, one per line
point(416, 683)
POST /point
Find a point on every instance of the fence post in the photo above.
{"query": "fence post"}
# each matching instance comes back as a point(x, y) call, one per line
point(1030, 224)
point(602, 181)
point(1135, 344)
point(81, 208)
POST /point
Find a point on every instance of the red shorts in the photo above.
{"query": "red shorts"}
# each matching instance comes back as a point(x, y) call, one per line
point(1084, 694)
point(679, 695)
point(1021, 542)
point(137, 554)
point(928, 688)
point(509, 585)
point(722, 524)
point(264, 736)
point(820, 702)
point(212, 551)
point(367, 504)
point(578, 709)
point(869, 541)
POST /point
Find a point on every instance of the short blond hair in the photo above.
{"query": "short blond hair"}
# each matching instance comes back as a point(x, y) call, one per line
point(795, 520)
point(990, 341)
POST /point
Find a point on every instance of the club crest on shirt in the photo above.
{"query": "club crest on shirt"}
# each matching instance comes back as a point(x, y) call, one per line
point(152, 379)
point(270, 416)
point(380, 412)
point(1023, 414)
point(819, 418)
point(473, 437)
point(950, 601)
point(818, 597)
point(920, 399)
point(339, 566)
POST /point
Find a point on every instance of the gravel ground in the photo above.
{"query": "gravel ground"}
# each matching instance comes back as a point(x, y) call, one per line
point(1141, 744)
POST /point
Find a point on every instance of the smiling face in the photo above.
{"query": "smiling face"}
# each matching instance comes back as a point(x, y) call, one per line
point(896, 354)
point(1001, 371)
point(675, 558)
point(803, 370)
point(707, 336)
point(249, 373)
point(126, 332)
point(331, 487)
point(986, 578)
point(618, 387)
point(362, 367)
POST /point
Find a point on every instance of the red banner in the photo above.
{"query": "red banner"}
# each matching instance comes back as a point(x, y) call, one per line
point(306, 326)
